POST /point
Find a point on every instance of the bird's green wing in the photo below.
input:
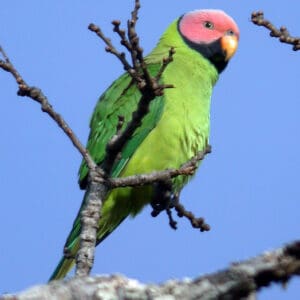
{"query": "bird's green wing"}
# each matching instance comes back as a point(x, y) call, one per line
point(120, 99)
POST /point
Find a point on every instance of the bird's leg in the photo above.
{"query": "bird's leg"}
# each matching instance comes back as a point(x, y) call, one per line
point(174, 200)
point(162, 197)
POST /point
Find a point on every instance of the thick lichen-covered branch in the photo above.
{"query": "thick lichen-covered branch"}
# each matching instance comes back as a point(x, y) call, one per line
point(282, 33)
point(238, 281)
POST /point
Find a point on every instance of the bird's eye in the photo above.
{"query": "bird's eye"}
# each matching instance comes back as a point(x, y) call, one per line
point(208, 25)
point(230, 32)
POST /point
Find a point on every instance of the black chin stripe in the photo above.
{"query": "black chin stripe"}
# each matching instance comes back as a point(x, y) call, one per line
point(213, 51)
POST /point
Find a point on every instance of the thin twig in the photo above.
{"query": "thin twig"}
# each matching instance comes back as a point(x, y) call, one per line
point(195, 222)
point(166, 62)
point(37, 95)
point(136, 51)
point(186, 169)
point(282, 33)
point(111, 49)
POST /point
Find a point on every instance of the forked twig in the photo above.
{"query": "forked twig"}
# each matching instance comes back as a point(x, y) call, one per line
point(150, 87)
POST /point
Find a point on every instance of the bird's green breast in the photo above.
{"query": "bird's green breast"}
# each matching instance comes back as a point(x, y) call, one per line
point(183, 128)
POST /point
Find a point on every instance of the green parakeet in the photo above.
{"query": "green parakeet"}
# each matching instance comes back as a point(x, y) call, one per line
point(175, 129)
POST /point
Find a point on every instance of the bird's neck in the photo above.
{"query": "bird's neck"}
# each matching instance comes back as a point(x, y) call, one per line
point(187, 57)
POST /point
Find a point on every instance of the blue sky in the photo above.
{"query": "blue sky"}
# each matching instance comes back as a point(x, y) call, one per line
point(247, 189)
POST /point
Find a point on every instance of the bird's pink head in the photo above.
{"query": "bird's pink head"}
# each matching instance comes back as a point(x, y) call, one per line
point(206, 30)
point(208, 25)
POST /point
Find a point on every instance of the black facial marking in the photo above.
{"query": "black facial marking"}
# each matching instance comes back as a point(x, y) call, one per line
point(213, 51)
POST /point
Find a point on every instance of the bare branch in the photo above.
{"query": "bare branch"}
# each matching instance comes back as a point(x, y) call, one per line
point(90, 214)
point(238, 281)
point(110, 48)
point(134, 13)
point(37, 95)
point(282, 33)
point(136, 51)
point(186, 169)
point(198, 223)
point(149, 87)
point(89, 226)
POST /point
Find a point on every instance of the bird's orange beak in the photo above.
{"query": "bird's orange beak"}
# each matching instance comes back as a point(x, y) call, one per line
point(229, 44)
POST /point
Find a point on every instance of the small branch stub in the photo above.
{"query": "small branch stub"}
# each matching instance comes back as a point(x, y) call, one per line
point(282, 33)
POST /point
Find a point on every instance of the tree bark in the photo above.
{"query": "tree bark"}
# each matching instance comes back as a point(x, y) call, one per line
point(239, 281)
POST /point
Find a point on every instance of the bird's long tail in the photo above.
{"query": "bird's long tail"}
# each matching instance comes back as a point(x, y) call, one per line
point(70, 249)
point(67, 261)
point(62, 269)
point(111, 217)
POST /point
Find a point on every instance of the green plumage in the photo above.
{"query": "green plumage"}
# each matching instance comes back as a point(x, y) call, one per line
point(176, 128)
